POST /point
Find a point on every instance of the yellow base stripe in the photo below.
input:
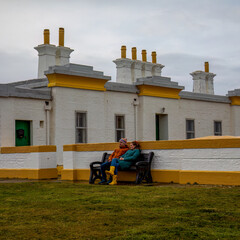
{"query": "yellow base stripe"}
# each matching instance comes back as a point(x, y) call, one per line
point(28, 149)
point(166, 176)
point(62, 80)
point(59, 169)
point(210, 177)
point(231, 142)
point(29, 173)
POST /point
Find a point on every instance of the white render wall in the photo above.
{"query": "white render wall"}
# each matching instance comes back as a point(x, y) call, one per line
point(101, 108)
point(34, 160)
point(12, 109)
point(178, 110)
point(215, 159)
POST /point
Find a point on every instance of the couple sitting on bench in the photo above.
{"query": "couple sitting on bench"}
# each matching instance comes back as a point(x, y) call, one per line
point(121, 159)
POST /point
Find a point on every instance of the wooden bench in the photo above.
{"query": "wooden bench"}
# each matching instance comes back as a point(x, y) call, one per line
point(142, 167)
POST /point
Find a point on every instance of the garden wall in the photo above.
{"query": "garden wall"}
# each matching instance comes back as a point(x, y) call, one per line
point(213, 160)
point(31, 162)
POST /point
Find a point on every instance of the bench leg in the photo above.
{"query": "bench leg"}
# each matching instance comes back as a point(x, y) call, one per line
point(140, 176)
point(149, 177)
point(94, 174)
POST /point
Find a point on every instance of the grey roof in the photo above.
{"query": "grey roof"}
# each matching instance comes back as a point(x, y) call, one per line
point(121, 87)
point(34, 88)
point(235, 92)
point(158, 81)
point(77, 70)
point(204, 97)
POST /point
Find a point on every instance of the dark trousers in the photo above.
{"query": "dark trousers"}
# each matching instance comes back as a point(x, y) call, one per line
point(115, 163)
point(105, 166)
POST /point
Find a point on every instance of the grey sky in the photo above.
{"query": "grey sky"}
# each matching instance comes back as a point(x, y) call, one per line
point(185, 34)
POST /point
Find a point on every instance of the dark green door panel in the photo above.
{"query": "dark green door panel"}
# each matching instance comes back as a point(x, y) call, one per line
point(22, 133)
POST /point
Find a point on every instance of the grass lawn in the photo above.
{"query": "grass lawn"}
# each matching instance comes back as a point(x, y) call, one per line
point(66, 210)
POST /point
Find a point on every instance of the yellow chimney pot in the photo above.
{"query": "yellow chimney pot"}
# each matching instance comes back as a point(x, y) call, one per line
point(61, 37)
point(134, 53)
point(46, 36)
point(154, 57)
point(144, 55)
point(123, 52)
point(206, 67)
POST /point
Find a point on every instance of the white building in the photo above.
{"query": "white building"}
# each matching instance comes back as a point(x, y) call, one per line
point(71, 103)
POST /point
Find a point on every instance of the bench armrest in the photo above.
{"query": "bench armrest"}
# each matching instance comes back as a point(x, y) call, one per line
point(95, 163)
point(142, 164)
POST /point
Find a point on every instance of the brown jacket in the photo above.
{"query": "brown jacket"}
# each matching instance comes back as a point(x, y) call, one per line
point(118, 152)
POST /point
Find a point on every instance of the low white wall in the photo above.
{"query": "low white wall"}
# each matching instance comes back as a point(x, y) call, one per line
point(33, 160)
point(223, 159)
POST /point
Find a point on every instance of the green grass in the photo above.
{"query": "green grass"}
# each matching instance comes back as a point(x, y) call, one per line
point(65, 210)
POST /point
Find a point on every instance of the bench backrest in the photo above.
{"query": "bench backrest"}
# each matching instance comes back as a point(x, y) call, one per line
point(105, 157)
point(145, 157)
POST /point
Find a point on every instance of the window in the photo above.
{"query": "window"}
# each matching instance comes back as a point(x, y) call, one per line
point(81, 127)
point(120, 127)
point(161, 126)
point(190, 129)
point(217, 128)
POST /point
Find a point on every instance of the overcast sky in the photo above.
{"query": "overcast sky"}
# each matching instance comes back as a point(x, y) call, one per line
point(184, 33)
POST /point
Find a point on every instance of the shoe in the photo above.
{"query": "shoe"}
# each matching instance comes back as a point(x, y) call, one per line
point(111, 171)
point(104, 181)
point(114, 181)
point(109, 180)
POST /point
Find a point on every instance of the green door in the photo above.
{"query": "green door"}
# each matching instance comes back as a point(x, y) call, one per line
point(22, 133)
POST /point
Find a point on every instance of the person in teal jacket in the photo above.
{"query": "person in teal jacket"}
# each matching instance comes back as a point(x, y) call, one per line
point(124, 162)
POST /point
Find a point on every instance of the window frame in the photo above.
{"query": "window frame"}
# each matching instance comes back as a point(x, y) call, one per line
point(83, 128)
point(119, 129)
point(214, 132)
point(190, 131)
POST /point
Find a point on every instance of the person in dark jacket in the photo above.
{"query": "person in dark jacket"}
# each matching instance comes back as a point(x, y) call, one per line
point(118, 152)
point(124, 162)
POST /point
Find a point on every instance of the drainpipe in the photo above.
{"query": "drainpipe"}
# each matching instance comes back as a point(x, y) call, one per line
point(135, 105)
point(47, 109)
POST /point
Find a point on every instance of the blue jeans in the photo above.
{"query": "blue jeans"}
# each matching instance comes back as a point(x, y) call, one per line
point(105, 166)
point(115, 163)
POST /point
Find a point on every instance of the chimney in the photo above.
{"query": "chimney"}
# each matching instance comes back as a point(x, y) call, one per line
point(46, 53)
point(129, 70)
point(124, 67)
point(51, 55)
point(147, 66)
point(63, 53)
point(136, 66)
point(156, 68)
point(203, 81)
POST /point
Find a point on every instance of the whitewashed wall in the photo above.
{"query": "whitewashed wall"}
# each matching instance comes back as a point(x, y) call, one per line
point(12, 109)
point(178, 111)
point(35, 160)
point(101, 108)
point(223, 159)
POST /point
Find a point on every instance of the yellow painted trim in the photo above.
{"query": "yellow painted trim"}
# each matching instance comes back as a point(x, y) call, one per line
point(63, 80)
point(75, 174)
point(28, 149)
point(29, 173)
point(235, 100)
point(155, 91)
point(166, 176)
point(59, 169)
point(210, 177)
point(91, 147)
point(221, 142)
